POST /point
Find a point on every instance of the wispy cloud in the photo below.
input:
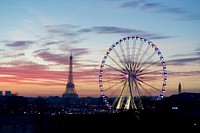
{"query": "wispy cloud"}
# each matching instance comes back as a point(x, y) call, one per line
point(185, 74)
point(19, 44)
point(80, 51)
point(184, 61)
point(63, 29)
point(53, 49)
point(109, 30)
point(191, 16)
point(181, 12)
point(13, 55)
point(52, 43)
point(41, 50)
point(24, 72)
point(68, 26)
point(32, 75)
point(73, 33)
point(63, 34)
point(196, 53)
point(123, 31)
point(59, 59)
point(26, 65)
point(131, 4)
point(63, 58)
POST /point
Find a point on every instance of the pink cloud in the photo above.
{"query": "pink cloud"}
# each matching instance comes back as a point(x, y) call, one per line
point(22, 72)
point(57, 58)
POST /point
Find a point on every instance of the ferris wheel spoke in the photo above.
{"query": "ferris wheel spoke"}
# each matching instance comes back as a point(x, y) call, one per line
point(133, 52)
point(140, 105)
point(121, 98)
point(131, 97)
point(114, 80)
point(148, 85)
point(121, 71)
point(140, 69)
point(128, 52)
point(119, 89)
point(143, 55)
point(138, 53)
point(123, 55)
point(122, 81)
point(119, 58)
point(116, 62)
point(137, 88)
point(150, 72)
point(141, 86)
point(148, 60)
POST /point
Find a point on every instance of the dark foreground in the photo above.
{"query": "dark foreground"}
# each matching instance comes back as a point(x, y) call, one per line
point(151, 121)
point(172, 114)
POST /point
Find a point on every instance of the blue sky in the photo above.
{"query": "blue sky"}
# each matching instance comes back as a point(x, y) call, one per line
point(37, 35)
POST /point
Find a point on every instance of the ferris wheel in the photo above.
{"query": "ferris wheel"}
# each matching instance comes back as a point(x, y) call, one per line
point(132, 68)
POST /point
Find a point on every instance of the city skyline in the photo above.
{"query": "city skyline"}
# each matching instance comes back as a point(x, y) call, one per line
point(37, 36)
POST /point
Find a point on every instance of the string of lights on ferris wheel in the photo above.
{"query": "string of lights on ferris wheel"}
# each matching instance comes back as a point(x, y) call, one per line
point(131, 69)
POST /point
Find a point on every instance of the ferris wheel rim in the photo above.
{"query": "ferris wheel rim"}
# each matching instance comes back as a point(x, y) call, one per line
point(150, 43)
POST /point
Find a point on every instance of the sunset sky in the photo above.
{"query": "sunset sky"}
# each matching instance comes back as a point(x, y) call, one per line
point(36, 37)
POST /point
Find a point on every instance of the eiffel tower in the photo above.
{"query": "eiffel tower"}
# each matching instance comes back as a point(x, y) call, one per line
point(70, 91)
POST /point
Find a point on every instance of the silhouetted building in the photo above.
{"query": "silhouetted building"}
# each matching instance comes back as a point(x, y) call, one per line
point(70, 91)
point(1, 93)
point(7, 93)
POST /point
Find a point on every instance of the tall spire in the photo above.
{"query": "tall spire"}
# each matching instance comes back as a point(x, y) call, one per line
point(179, 88)
point(70, 91)
point(70, 76)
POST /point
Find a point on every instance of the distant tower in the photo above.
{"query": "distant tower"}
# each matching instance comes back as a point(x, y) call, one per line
point(70, 91)
point(179, 88)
